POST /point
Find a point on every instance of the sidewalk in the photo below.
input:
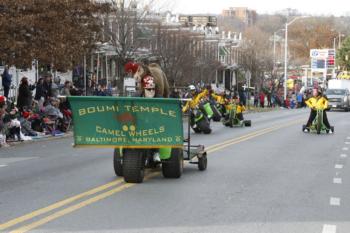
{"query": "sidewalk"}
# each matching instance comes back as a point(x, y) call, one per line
point(253, 109)
point(41, 139)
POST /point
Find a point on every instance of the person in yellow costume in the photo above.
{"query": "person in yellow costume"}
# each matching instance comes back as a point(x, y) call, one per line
point(234, 104)
point(239, 108)
point(196, 98)
point(317, 101)
point(221, 100)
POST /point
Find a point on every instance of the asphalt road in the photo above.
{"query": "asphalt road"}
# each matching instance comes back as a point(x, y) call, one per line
point(269, 178)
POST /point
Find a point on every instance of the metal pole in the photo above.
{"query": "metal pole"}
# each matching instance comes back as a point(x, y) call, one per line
point(36, 70)
point(97, 67)
point(334, 58)
point(274, 51)
point(85, 87)
point(285, 62)
point(217, 71)
point(106, 71)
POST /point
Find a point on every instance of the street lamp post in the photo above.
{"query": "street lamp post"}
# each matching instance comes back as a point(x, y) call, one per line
point(285, 54)
point(274, 48)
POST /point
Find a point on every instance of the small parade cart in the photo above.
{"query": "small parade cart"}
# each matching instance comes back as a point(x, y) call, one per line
point(137, 129)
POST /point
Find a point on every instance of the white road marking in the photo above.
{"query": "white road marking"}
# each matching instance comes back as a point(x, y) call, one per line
point(345, 148)
point(329, 228)
point(3, 165)
point(348, 138)
point(347, 143)
point(343, 155)
point(15, 159)
point(335, 201)
point(339, 166)
point(337, 180)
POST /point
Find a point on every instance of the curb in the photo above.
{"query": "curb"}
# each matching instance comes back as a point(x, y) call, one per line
point(50, 138)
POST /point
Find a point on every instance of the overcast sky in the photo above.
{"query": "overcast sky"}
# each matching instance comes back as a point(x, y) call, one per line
point(314, 7)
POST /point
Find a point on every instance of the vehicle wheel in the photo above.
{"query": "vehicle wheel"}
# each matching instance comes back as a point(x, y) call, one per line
point(117, 162)
point(227, 123)
point(304, 127)
point(332, 128)
point(217, 114)
point(247, 123)
point(204, 125)
point(197, 130)
point(202, 162)
point(173, 167)
point(216, 118)
point(133, 165)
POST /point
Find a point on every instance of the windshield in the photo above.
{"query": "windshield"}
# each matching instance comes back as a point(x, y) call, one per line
point(335, 92)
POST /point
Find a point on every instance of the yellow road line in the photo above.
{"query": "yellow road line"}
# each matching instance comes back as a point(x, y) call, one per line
point(94, 199)
point(80, 205)
point(240, 140)
point(249, 136)
point(58, 205)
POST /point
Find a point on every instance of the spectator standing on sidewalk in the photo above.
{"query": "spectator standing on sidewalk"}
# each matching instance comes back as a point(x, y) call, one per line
point(39, 92)
point(269, 100)
point(66, 89)
point(24, 100)
point(256, 99)
point(47, 86)
point(6, 81)
point(39, 89)
point(262, 99)
point(300, 101)
point(2, 124)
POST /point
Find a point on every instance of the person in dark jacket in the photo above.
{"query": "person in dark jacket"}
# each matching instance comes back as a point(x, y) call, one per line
point(39, 92)
point(24, 100)
point(47, 87)
point(6, 81)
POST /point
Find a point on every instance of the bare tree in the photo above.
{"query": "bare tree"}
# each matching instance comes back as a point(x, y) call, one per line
point(129, 26)
point(185, 55)
point(313, 33)
point(35, 29)
point(256, 54)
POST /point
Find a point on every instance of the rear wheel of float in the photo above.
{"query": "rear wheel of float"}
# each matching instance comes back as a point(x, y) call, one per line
point(173, 167)
point(133, 165)
point(117, 162)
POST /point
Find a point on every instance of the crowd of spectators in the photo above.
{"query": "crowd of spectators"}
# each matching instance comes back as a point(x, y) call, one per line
point(38, 111)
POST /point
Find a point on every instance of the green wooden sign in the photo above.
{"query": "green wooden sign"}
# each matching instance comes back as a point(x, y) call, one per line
point(128, 122)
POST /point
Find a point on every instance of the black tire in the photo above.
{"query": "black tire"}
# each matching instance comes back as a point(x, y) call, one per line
point(229, 124)
point(133, 165)
point(117, 162)
point(192, 122)
point(332, 128)
point(173, 167)
point(204, 125)
point(197, 130)
point(248, 123)
point(319, 124)
point(217, 114)
point(203, 162)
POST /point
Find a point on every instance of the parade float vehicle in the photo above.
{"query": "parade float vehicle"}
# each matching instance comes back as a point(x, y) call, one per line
point(137, 129)
point(199, 121)
point(317, 125)
point(232, 120)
